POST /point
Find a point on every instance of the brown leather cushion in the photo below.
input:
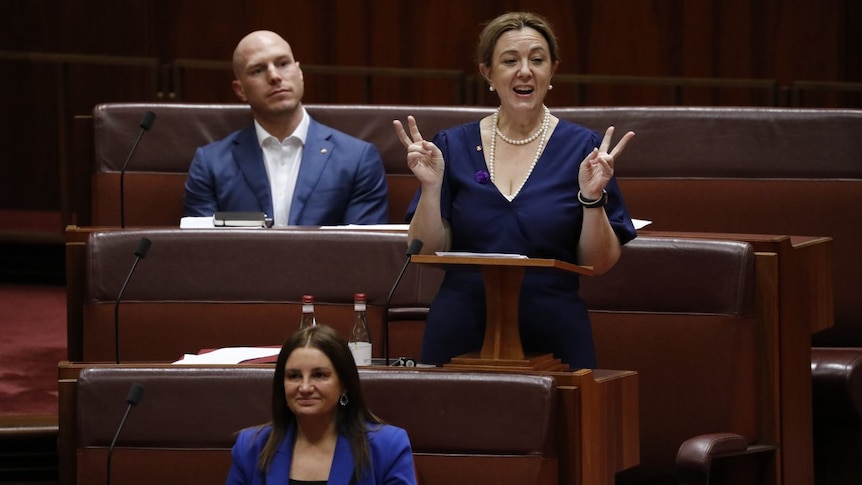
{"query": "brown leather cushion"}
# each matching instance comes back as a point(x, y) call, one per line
point(199, 289)
point(202, 407)
point(837, 387)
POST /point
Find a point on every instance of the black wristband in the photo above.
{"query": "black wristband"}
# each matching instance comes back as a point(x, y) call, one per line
point(593, 204)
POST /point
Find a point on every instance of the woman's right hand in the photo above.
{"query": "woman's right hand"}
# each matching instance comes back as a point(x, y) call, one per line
point(424, 159)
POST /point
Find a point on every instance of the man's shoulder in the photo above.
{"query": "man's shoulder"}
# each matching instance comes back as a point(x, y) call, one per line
point(334, 134)
point(230, 140)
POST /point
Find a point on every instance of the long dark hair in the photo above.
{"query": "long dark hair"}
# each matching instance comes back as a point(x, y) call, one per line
point(352, 419)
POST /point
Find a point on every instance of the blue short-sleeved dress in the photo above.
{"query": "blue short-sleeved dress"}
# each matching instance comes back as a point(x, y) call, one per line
point(543, 221)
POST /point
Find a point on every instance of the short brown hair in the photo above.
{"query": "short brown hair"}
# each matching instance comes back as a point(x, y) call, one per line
point(514, 21)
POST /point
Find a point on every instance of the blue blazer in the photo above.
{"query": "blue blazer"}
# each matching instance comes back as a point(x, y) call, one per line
point(391, 459)
point(341, 179)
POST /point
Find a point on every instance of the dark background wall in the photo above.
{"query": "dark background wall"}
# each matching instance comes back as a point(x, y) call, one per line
point(61, 57)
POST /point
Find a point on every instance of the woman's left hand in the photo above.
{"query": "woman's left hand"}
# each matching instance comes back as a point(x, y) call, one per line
point(598, 168)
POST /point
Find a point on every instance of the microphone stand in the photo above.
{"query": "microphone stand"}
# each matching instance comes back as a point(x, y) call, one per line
point(135, 394)
point(414, 248)
point(140, 253)
point(146, 123)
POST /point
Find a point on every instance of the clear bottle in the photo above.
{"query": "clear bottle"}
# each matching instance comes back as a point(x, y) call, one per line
point(307, 319)
point(360, 335)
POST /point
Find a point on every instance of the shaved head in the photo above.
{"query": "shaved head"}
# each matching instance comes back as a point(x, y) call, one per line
point(252, 43)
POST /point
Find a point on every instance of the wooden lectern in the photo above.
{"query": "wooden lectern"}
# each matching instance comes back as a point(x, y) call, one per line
point(502, 277)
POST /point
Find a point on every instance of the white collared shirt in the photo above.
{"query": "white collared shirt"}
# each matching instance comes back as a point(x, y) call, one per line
point(282, 159)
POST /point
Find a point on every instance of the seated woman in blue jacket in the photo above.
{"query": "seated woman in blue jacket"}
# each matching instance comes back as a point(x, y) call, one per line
point(321, 431)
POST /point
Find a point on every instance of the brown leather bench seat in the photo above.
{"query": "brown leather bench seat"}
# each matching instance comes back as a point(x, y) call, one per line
point(211, 288)
point(182, 430)
point(684, 314)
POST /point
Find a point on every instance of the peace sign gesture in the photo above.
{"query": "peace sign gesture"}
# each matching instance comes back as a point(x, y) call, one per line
point(598, 167)
point(424, 159)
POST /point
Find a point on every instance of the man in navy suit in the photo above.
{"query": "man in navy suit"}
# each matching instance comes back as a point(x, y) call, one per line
point(286, 165)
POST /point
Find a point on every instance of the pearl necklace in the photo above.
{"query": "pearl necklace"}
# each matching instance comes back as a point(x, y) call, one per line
point(541, 133)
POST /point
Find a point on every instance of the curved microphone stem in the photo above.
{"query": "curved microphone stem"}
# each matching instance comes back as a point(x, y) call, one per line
point(135, 394)
point(414, 248)
point(114, 441)
point(146, 123)
point(140, 253)
point(117, 310)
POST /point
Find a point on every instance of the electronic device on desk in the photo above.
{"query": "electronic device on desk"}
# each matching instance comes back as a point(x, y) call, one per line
point(241, 219)
point(402, 362)
point(397, 362)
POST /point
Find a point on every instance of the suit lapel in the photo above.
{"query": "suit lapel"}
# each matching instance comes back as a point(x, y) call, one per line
point(315, 155)
point(279, 468)
point(342, 463)
point(249, 158)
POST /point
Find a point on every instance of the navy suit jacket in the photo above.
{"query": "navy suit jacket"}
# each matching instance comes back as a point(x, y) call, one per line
point(391, 459)
point(341, 179)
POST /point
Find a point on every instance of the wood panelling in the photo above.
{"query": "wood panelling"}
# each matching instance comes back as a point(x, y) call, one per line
point(779, 40)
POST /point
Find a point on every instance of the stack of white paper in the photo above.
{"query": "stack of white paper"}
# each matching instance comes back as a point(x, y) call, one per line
point(229, 355)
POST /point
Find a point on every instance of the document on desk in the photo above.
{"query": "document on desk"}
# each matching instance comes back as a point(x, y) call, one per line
point(467, 254)
point(229, 355)
point(371, 227)
point(189, 222)
point(640, 223)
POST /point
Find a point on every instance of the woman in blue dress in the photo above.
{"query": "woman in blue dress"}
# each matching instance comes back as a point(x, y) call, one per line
point(519, 181)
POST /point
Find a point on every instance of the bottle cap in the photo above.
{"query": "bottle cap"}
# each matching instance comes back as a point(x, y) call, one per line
point(307, 299)
point(359, 297)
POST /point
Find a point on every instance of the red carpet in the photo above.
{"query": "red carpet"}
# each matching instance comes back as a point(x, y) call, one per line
point(32, 342)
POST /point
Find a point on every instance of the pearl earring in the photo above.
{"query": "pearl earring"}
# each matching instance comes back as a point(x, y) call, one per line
point(550, 87)
point(491, 88)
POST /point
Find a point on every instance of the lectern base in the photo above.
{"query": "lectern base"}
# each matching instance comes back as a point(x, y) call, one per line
point(543, 362)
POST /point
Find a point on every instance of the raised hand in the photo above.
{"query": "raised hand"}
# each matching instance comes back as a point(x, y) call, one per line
point(598, 168)
point(424, 159)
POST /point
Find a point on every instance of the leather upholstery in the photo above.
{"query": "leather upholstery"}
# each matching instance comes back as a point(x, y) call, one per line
point(682, 313)
point(837, 414)
point(200, 289)
point(455, 420)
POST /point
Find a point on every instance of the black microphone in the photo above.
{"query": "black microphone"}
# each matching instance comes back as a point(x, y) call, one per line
point(140, 253)
point(414, 248)
point(146, 123)
point(135, 394)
